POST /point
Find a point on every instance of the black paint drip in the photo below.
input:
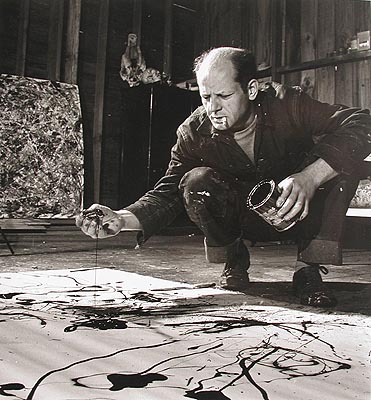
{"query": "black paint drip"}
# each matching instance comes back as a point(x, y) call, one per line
point(9, 295)
point(123, 381)
point(145, 296)
point(206, 395)
point(10, 386)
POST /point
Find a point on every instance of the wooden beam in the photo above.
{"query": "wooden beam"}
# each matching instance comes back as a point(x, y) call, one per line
point(100, 75)
point(55, 39)
point(308, 43)
point(168, 36)
point(137, 19)
point(72, 42)
point(362, 12)
point(291, 40)
point(325, 62)
point(263, 21)
point(345, 75)
point(24, 19)
point(325, 39)
point(277, 20)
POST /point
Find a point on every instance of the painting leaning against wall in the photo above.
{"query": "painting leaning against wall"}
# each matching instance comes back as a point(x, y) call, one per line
point(41, 148)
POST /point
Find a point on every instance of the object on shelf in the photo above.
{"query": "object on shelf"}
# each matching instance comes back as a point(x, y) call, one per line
point(353, 46)
point(363, 40)
point(190, 84)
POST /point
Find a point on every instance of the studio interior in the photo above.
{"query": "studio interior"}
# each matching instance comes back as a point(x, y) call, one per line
point(97, 99)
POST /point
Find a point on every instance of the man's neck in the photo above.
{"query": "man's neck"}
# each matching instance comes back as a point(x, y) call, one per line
point(250, 120)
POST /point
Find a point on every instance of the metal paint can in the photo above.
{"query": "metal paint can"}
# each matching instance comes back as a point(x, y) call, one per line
point(262, 200)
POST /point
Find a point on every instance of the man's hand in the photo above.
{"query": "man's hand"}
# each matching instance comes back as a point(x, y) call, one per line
point(297, 190)
point(99, 221)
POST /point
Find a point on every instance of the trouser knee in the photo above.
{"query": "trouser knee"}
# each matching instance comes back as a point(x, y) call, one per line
point(212, 204)
point(196, 186)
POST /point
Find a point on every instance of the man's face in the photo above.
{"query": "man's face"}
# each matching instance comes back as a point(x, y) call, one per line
point(226, 104)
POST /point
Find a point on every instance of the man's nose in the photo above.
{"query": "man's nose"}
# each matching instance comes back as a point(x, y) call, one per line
point(214, 104)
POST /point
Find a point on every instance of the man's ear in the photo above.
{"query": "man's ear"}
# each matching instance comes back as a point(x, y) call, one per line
point(252, 89)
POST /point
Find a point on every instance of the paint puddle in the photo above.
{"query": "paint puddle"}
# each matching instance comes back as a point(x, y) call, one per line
point(145, 296)
point(102, 324)
point(4, 388)
point(123, 381)
point(206, 395)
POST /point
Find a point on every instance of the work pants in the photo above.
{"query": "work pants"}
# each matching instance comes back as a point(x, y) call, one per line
point(217, 205)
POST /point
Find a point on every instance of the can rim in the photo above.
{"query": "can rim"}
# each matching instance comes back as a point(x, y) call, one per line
point(255, 188)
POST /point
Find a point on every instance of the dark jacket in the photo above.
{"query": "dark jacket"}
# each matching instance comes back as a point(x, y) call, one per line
point(293, 130)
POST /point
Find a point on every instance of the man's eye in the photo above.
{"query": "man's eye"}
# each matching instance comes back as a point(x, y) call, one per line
point(205, 97)
point(225, 96)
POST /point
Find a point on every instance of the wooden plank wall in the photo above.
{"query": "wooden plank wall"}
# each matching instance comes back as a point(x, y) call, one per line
point(241, 23)
point(362, 15)
point(122, 21)
point(326, 26)
point(56, 19)
point(307, 34)
point(325, 40)
point(65, 40)
point(22, 37)
point(345, 82)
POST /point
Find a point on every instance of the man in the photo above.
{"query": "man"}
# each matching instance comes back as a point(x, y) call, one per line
point(239, 136)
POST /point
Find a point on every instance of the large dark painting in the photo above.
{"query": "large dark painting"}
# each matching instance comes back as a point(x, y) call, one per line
point(41, 148)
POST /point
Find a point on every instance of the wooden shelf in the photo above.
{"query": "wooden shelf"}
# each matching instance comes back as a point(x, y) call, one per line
point(359, 212)
point(325, 62)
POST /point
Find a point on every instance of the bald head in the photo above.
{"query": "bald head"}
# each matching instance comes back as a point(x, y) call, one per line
point(242, 62)
point(227, 87)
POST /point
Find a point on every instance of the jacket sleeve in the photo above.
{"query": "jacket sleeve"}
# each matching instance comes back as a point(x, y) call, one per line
point(341, 135)
point(159, 207)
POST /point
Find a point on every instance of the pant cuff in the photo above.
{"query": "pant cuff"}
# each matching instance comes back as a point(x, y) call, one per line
point(215, 254)
point(321, 252)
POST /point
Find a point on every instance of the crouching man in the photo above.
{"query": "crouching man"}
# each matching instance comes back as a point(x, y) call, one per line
point(241, 135)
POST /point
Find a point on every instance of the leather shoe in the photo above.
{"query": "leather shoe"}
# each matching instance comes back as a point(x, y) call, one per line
point(235, 276)
point(308, 286)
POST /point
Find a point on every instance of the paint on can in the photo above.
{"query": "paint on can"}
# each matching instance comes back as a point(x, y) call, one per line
point(262, 200)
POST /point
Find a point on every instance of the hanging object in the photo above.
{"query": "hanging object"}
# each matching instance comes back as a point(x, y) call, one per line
point(132, 62)
point(133, 66)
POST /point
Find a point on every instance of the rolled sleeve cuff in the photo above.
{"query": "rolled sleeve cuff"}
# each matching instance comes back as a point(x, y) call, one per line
point(153, 218)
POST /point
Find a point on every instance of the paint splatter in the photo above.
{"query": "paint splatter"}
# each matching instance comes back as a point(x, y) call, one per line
point(5, 387)
point(102, 324)
point(123, 381)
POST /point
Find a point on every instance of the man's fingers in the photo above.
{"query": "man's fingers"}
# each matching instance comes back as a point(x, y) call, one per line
point(294, 208)
point(98, 221)
point(305, 211)
point(294, 211)
point(79, 220)
point(285, 189)
point(290, 201)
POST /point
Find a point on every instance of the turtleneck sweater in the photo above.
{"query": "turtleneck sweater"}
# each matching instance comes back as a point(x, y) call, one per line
point(246, 139)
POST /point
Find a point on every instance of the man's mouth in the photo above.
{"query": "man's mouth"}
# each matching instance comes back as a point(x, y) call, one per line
point(219, 120)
